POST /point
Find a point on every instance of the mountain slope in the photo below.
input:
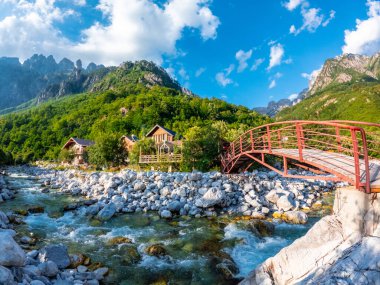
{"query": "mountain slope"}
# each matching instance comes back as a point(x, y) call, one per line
point(345, 101)
point(348, 68)
point(41, 131)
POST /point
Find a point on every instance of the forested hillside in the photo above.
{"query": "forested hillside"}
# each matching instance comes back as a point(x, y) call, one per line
point(345, 101)
point(40, 132)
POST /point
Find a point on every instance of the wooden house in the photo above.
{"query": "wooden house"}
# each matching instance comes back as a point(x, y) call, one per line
point(166, 140)
point(129, 142)
point(78, 147)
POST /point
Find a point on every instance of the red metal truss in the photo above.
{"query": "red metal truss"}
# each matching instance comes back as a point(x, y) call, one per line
point(348, 150)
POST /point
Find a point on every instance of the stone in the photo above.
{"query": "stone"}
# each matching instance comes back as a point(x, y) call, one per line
point(285, 203)
point(295, 217)
point(107, 212)
point(174, 206)
point(100, 273)
point(56, 253)
point(156, 250)
point(11, 252)
point(212, 197)
point(82, 268)
point(38, 282)
point(273, 196)
point(48, 268)
point(6, 277)
point(166, 214)
point(139, 186)
point(118, 240)
point(228, 269)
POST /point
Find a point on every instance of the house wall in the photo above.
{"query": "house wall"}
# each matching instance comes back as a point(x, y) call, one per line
point(161, 135)
point(128, 144)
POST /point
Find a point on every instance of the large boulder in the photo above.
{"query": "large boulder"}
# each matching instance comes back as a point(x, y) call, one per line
point(295, 217)
point(273, 196)
point(56, 253)
point(213, 197)
point(285, 203)
point(6, 277)
point(11, 253)
point(107, 212)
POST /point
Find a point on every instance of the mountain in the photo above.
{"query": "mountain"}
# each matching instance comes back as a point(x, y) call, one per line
point(276, 106)
point(133, 108)
point(20, 83)
point(348, 68)
point(41, 78)
point(346, 88)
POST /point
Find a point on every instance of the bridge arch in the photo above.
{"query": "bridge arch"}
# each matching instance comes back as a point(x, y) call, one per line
point(334, 150)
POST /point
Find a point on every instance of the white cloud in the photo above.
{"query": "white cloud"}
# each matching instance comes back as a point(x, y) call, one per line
point(272, 84)
point(183, 73)
point(278, 75)
point(200, 71)
point(365, 39)
point(292, 97)
point(311, 77)
point(292, 4)
point(222, 77)
point(242, 57)
point(171, 72)
point(136, 29)
point(276, 54)
point(257, 63)
point(80, 2)
point(312, 19)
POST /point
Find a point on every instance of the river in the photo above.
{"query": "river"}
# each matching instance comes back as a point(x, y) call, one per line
point(192, 245)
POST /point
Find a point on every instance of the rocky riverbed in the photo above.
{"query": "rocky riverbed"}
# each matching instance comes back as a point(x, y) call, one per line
point(147, 227)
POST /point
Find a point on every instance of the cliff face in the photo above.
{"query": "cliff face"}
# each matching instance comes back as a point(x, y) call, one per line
point(347, 68)
point(343, 248)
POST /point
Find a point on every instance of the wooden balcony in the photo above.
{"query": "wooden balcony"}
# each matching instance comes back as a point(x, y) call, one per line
point(162, 158)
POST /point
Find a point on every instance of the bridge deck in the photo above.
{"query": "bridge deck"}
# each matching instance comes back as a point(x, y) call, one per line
point(342, 164)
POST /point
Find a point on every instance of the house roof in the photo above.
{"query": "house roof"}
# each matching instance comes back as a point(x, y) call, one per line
point(132, 138)
point(158, 126)
point(79, 141)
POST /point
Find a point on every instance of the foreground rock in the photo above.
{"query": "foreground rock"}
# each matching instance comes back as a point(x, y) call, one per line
point(343, 248)
point(11, 253)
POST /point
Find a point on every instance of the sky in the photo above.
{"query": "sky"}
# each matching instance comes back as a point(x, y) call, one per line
point(247, 52)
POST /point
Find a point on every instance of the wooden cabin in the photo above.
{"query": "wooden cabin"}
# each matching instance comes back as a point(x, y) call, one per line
point(165, 140)
point(129, 142)
point(160, 134)
point(78, 147)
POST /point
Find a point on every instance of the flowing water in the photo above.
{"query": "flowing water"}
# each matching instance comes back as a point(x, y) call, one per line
point(192, 244)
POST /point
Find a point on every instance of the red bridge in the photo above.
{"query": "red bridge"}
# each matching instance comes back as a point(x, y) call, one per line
point(334, 150)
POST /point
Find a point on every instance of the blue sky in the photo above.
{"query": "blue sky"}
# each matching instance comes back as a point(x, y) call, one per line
point(244, 51)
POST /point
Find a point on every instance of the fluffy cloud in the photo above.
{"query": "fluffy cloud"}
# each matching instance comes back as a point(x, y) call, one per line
point(242, 57)
point(292, 4)
point(222, 77)
point(257, 63)
point(200, 71)
point(272, 84)
point(276, 54)
point(365, 39)
point(135, 29)
point(311, 77)
point(292, 97)
point(312, 18)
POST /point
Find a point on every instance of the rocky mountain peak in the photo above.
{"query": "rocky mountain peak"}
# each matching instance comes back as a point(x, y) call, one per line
point(347, 68)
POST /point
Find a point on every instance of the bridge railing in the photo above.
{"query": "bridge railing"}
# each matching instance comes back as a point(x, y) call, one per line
point(310, 139)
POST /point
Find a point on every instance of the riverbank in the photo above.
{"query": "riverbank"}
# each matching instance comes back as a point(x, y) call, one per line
point(222, 248)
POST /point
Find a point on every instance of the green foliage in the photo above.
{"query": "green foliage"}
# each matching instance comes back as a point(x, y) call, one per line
point(66, 155)
point(6, 157)
point(358, 102)
point(107, 151)
point(40, 132)
point(201, 148)
point(146, 146)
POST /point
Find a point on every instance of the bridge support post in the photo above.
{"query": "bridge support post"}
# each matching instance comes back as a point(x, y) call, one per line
point(299, 140)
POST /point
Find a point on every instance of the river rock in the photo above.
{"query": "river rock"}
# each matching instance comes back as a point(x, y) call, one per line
point(56, 253)
point(212, 197)
point(4, 221)
point(156, 250)
point(11, 252)
point(285, 203)
point(166, 214)
point(48, 268)
point(139, 186)
point(295, 217)
point(174, 206)
point(273, 196)
point(107, 212)
point(6, 277)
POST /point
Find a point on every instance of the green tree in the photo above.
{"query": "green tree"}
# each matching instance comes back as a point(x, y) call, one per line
point(201, 148)
point(107, 151)
point(66, 155)
point(145, 146)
